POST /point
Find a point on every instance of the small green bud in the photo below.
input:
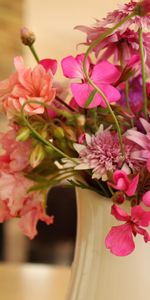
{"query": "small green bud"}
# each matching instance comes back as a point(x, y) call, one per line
point(59, 133)
point(23, 134)
point(37, 155)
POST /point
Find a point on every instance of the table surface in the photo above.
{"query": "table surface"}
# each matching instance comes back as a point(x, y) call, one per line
point(33, 282)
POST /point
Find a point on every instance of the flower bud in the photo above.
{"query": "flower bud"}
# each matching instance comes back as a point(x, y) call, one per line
point(37, 155)
point(27, 36)
point(81, 120)
point(143, 8)
point(69, 133)
point(58, 133)
point(23, 134)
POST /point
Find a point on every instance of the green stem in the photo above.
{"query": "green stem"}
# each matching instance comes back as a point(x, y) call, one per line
point(39, 137)
point(127, 100)
point(91, 47)
point(34, 53)
point(143, 70)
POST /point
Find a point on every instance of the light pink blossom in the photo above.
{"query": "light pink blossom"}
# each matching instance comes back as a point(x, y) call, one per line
point(24, 85)
point(103, 74)
point(141, 139)
point(120, 238)
point(123, 183)
point(31, 212)
point(16, 154)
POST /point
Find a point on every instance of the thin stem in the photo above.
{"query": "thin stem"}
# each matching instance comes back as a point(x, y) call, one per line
point(34, 53)
point(127, 100)
point(143, 70)
point(64, 103)
point(92, 46)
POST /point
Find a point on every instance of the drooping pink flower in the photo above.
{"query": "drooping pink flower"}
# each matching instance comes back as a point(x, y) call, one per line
point(103, 74)
point(120, 238)
point(121, 45)
point(31, 212)
point(123, 183)
point(25, 85)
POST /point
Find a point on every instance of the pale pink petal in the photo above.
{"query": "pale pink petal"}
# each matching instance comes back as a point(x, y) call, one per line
point(132, 186)
point(146, 198)
point(105, 72)
point(4, 211)
point(49, 64)
point(19, 63)
point(119, 213)
point(145, 124)
point(120, 241)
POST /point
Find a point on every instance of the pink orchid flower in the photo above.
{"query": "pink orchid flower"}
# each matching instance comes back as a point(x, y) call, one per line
point(123, 183)
point(103, 74)
point(120, 238)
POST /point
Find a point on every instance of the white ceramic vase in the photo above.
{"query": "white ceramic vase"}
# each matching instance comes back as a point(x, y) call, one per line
point(97, 274)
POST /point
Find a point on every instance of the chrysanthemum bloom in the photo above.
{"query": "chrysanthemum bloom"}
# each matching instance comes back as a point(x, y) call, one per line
point(120, 238)
point(25, 85)
point(103, 74)
point(102, 154)
point(123, 183)
point(141, 19)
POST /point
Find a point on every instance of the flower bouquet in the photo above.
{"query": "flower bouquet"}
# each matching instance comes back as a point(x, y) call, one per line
point(93, 133)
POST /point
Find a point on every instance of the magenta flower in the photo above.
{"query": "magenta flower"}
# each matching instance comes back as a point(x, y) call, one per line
point(146, 198)
point(49, 65)
point(123, 183)
point(120, 238)
point(103, 74)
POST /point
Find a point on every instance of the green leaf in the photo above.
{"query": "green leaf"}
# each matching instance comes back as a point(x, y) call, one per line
point(90, 99)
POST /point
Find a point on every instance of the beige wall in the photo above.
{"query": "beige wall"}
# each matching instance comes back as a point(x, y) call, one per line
point(53, 22)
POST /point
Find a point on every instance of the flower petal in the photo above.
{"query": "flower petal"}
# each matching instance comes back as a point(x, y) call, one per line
point(105, 72)
point(119, 213)
point(49, 64)
point(132, 186)
point(140, 216)
point(72, 67)
point(120, 241)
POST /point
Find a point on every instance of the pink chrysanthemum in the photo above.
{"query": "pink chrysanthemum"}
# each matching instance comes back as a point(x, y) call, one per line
point(141, 20)
point(102, 154)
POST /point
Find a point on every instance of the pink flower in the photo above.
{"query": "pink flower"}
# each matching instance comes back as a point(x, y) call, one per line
point(121, 45)
point(33, 211)
point(146, 198)
point(120, 238)
point(101, 153)
point(24, 85)
point(16, 155)
point(103, 74)
point(49, 65)
point(123, 183)
point(141, 139)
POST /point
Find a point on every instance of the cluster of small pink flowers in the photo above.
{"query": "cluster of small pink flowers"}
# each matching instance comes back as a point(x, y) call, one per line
point(96, 125)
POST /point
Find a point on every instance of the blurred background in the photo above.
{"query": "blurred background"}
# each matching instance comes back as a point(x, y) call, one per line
point(53, 23)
